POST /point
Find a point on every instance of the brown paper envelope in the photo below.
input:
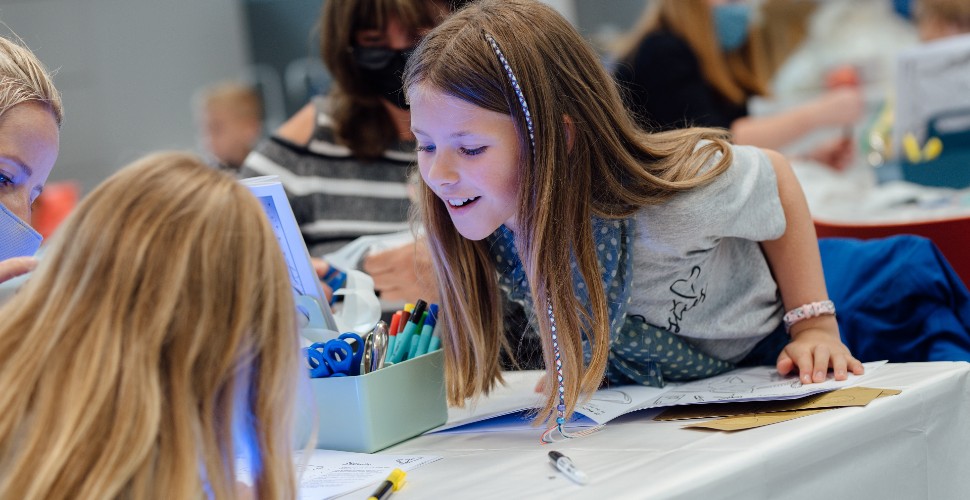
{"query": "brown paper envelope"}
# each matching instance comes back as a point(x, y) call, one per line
point(742, 422)
point(889, 392)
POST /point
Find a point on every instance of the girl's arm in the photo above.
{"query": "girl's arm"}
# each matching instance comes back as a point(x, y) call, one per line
point(797, 267)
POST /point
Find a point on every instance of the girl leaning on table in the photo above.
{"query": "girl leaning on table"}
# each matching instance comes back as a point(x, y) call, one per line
point(157, 331)
point(644, 257)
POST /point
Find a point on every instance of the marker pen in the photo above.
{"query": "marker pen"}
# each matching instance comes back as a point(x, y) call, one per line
point(405, 316)
point(393, 483)
point(424, 341)
point(404, 338)
point(413, 348)
point(565, 465)
point(435, 343)
point(392, 331)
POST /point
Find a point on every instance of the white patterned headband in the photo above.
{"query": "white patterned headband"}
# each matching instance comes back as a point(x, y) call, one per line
point(518, 90)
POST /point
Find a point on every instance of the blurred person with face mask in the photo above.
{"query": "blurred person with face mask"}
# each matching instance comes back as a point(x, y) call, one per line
point(697, 62)
point(345, 159)
point(30, 119)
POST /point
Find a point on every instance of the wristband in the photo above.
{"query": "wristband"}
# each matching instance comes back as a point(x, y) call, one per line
point(808, 311)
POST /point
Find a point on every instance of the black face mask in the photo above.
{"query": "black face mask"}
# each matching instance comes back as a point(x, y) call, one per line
point(384, 70)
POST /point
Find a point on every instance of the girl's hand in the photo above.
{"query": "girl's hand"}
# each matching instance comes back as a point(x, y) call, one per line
point(813, 351)
point(321, 267)
point(837, 153)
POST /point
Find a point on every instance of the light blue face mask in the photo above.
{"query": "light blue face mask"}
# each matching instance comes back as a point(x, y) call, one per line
point(17, 238)
point(731, 21)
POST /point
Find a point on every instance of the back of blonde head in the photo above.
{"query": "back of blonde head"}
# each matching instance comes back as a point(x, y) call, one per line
point(161, 301)
point(23, 79)
point(589, 159)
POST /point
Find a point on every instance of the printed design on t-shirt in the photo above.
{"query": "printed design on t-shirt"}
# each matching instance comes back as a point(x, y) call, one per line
point(688, 293)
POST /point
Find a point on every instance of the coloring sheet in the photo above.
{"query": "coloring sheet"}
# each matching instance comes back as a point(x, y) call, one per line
point(511, 407)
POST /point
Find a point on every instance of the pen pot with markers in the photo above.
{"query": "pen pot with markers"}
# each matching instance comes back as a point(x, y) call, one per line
point(371, 408)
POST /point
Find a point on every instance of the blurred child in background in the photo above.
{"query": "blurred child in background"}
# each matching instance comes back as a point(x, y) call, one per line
point(230, 122)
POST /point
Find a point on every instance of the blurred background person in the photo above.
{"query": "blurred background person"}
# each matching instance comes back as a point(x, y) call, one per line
point(30, 120)
point(935, 21)
point(345, 159)
point(698, 62)
point(229, 117)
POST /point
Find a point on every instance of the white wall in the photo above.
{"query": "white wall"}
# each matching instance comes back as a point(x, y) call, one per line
point(565, 7)
point(127, 70)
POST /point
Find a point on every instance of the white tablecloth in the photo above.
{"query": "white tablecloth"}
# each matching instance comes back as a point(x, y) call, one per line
point(915, 445)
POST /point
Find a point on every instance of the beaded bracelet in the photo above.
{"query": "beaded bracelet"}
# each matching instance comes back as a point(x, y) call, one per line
point(808, 311)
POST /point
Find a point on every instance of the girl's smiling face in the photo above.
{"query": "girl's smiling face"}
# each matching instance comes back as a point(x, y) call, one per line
point(469, 157)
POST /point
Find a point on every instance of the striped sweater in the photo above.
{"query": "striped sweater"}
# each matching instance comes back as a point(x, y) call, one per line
point(335, 196)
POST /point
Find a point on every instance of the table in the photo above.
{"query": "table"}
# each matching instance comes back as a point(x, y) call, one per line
point(914, 445)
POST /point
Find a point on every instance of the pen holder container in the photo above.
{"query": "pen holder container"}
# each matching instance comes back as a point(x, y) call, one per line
point(370, 412)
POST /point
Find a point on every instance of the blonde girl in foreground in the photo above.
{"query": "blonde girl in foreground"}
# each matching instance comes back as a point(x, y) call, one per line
point(160, 318)
point(643, 257)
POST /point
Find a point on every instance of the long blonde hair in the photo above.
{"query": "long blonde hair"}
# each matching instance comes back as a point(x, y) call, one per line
point(162, 301)
point(23, 78)
point(736, 75)
point(603, 165)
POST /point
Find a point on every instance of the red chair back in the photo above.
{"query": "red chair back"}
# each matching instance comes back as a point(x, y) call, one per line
point(952, 236)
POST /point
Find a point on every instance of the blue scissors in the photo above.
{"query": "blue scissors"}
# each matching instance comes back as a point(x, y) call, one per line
point(336, 357)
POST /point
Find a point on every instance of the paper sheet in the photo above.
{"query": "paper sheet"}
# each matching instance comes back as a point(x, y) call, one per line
point(851, 396)
point(328, 474)
point(760, 383)
point(332, 473)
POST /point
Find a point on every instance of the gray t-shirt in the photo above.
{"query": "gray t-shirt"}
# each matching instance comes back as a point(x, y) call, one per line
point(698, 268)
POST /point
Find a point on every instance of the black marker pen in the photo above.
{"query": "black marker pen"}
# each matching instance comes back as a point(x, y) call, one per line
point(565, 465)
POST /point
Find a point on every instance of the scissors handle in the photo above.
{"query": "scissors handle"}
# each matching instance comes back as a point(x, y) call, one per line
point(337, 357)
point(318, 366)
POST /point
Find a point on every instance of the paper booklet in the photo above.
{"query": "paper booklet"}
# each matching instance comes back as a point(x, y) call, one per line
point(510, 408)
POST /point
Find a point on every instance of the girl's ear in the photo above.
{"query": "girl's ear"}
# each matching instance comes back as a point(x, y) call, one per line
point(570, 126)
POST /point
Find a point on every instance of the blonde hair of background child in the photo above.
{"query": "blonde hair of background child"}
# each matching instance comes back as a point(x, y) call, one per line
point(736, 75)
point(360, 120)
point(241, 99)
point(941, 18)
point(23, 78)
point(600, 164)
point(161, 302)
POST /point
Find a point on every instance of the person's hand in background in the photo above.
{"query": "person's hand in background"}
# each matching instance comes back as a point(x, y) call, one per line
point(11, 268)
point(837, 153)
point(322, 267)
point(403, 273)
point(843, 105)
